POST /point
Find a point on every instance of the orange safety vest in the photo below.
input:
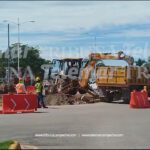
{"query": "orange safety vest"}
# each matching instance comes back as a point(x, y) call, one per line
point(20, 88)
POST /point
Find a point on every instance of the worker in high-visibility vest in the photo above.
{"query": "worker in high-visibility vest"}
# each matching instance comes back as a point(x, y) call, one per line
point(38, 89)
point(20, 87)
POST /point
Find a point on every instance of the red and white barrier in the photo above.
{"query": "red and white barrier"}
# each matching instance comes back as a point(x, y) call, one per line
point(14, 103)
point(139, 99)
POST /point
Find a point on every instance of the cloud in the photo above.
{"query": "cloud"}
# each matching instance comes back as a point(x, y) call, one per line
point(65, 23)
point(135, 33)
point(67, 15)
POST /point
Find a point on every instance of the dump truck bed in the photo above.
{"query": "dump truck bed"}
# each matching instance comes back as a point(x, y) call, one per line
point(119, 76)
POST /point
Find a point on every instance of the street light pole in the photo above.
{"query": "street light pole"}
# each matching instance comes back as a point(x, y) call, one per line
point(8, 76)
point(95, 42)
point(18, 47)
point(95, 38)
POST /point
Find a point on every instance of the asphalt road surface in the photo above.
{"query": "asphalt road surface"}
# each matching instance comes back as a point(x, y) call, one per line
point(101, 125)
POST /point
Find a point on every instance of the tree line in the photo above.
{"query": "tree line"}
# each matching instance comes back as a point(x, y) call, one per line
point(29, 56)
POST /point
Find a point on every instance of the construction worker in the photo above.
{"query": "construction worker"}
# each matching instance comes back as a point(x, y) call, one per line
point(20, 87)
point(39, 88)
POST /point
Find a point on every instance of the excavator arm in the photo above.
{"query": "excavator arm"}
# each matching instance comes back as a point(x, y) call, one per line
point(117, 56)
point(94, 57)
point(86, 73)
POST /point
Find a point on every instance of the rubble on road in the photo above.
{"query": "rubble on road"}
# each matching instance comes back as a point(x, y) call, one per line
point(64, 99)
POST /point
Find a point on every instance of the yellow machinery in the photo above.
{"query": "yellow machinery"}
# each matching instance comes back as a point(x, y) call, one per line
point(114, 82)
point(94, 57)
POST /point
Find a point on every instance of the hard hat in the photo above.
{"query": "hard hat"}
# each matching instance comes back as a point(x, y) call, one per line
point(37, 79)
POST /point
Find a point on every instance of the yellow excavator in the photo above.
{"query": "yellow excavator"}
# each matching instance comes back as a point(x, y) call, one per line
point(94, 58)
point(113, 82)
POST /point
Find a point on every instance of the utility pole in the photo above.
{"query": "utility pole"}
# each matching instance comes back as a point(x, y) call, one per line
point(95, 42)
point(8, 73)
point(18, 43)
point(18, 47)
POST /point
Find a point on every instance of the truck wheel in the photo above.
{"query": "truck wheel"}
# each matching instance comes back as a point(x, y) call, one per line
point(109, 98)
point(126, 96)
point(126, 101)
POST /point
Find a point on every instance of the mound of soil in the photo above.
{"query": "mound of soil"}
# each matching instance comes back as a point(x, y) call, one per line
point(63, 99)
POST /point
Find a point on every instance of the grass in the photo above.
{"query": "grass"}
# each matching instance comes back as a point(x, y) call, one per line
point(5, 145)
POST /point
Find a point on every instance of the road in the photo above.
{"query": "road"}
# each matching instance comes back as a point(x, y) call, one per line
point(101, 125)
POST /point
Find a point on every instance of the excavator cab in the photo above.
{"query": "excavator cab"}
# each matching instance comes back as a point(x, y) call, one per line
point(65, 73)
point(56, 66)
point(63, 66)
point(71, 66)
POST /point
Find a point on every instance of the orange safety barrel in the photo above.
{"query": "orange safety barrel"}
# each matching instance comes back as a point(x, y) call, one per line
point(30, 89)
point(139, 99)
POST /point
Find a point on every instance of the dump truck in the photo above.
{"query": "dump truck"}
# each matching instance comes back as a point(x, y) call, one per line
point(113, 82)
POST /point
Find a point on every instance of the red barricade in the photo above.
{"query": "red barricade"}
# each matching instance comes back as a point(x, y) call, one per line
point(139, 99)
point(30, 89)
point(14, 103)
point(145, 98)
point(133, 102)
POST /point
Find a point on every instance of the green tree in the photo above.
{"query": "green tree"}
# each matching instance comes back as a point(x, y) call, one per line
point(149, 59)
point(2, 69)
point(29, 56)
point(140, 62)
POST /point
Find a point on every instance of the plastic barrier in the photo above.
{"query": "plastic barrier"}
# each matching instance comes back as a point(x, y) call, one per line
point(14, 103)
point(139, 99)
point(30, 89)
point(145, 98)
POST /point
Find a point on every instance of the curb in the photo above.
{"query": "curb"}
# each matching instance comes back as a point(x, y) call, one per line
point(28, 147)
point(15, 146)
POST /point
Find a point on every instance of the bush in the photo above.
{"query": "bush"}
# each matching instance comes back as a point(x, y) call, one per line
point(6, 144)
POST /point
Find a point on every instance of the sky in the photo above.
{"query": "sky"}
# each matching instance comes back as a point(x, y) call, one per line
point(77, 28)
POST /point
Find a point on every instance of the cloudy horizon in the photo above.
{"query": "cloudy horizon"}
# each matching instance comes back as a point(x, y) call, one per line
point(77, 26)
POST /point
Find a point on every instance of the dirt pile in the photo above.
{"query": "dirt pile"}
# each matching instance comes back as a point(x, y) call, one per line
point(62, 99)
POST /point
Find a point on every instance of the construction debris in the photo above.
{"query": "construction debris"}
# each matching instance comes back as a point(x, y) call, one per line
point(63, 99)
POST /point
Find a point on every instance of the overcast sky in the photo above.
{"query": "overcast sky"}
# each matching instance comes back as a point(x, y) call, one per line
point(75, 28)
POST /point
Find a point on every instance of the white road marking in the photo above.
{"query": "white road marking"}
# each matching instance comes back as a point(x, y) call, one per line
point(12, 100)
point(28, 104)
